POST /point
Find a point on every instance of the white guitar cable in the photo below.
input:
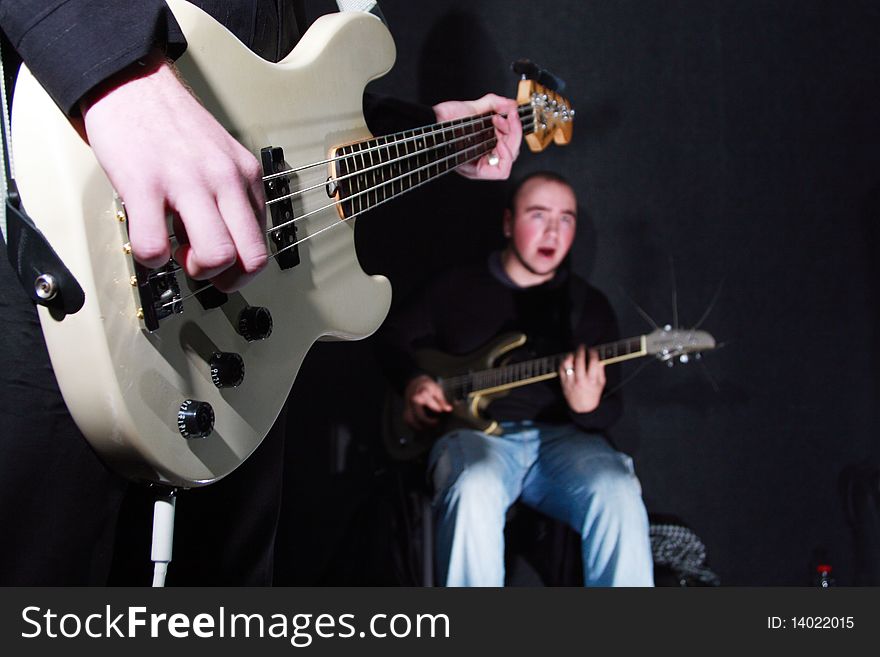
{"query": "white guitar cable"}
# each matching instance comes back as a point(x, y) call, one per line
point(163, 536)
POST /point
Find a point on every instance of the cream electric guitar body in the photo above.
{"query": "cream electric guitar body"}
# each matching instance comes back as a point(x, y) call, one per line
point(139, 364)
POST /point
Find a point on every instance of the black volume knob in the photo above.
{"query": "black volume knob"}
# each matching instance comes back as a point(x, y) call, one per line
point(255, 323)
point(195, 419)
point(227, 369)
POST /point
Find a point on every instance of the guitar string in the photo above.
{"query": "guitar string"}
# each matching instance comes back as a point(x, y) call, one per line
point(336, 224)
point(606, 393)
point(526, 124)
point(354, 154)
point(390, 181)
point(497, 375)
point(400, 138)
point(385, 200)
point(368, 190)
point(490, 142)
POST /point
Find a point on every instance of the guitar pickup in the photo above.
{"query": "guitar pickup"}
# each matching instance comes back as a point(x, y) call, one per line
point(283, 233)
point(159, 293)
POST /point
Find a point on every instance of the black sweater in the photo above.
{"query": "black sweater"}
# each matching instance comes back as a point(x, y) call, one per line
point(465, 308)
point(72, 45)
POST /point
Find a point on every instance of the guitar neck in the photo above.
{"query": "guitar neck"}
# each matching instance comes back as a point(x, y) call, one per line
point(523, 373)
point(373, 171)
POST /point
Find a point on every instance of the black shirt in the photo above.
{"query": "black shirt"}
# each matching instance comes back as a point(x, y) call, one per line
point(463, 309)
point(73, 45)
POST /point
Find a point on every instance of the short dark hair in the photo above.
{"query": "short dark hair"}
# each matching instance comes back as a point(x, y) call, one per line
point(548, 175)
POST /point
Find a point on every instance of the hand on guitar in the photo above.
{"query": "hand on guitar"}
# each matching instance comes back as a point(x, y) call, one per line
point(424, 396)
point(508, 133)
point(164, 152)
point(582, 380)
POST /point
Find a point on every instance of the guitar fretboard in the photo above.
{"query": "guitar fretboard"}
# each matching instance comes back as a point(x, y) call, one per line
point(532, 371)
point(373, 171)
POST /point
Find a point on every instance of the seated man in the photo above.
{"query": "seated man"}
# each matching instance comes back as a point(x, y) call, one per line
point(552, 454)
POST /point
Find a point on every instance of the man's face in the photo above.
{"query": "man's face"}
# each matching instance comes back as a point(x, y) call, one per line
point(542, 225)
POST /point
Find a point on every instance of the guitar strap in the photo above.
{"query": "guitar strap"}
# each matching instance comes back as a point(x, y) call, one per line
point(27, 249)
point(356, 5)
point(370, 6)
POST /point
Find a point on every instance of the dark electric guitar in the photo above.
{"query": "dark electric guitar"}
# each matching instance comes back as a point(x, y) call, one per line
point(471, 382)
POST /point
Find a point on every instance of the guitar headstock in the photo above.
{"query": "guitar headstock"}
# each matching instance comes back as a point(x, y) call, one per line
point(551, 117)
point(668, 344)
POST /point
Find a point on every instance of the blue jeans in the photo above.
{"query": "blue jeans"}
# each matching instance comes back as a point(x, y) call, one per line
point(575, 477)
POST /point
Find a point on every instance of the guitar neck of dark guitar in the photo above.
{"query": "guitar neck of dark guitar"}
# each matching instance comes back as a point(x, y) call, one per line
point(535, 370)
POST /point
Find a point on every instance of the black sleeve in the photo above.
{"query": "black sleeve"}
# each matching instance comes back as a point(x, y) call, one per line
point(385, 114)
point(598, 325)
point(72, 45)
point(407, 329)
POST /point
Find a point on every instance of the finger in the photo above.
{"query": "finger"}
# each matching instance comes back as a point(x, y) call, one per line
point(423, 418)
point(445, 407)
point(426, 389)
point(434, 404)
point(501, 123)
point(515, 131)
point(244, 227)
point(210, 248)
point(508, 129)
point(253, 176)
point(564, 376)
point(499, 104)
point(566, 369)
point(598, 367)
point(434, 393)
point(505, 160)
point(148, 230)
point(489, 166)
point(596, 370)
point(487, 103)
point(580, 362)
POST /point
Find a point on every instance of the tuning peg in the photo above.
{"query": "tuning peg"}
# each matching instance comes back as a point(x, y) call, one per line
point(528, 70)
point(525, 68)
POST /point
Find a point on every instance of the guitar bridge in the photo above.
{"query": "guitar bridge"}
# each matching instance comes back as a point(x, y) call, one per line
point(283, 235)
point(159, 293)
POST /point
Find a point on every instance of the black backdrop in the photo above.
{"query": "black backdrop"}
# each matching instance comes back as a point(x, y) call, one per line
point(715, 142)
